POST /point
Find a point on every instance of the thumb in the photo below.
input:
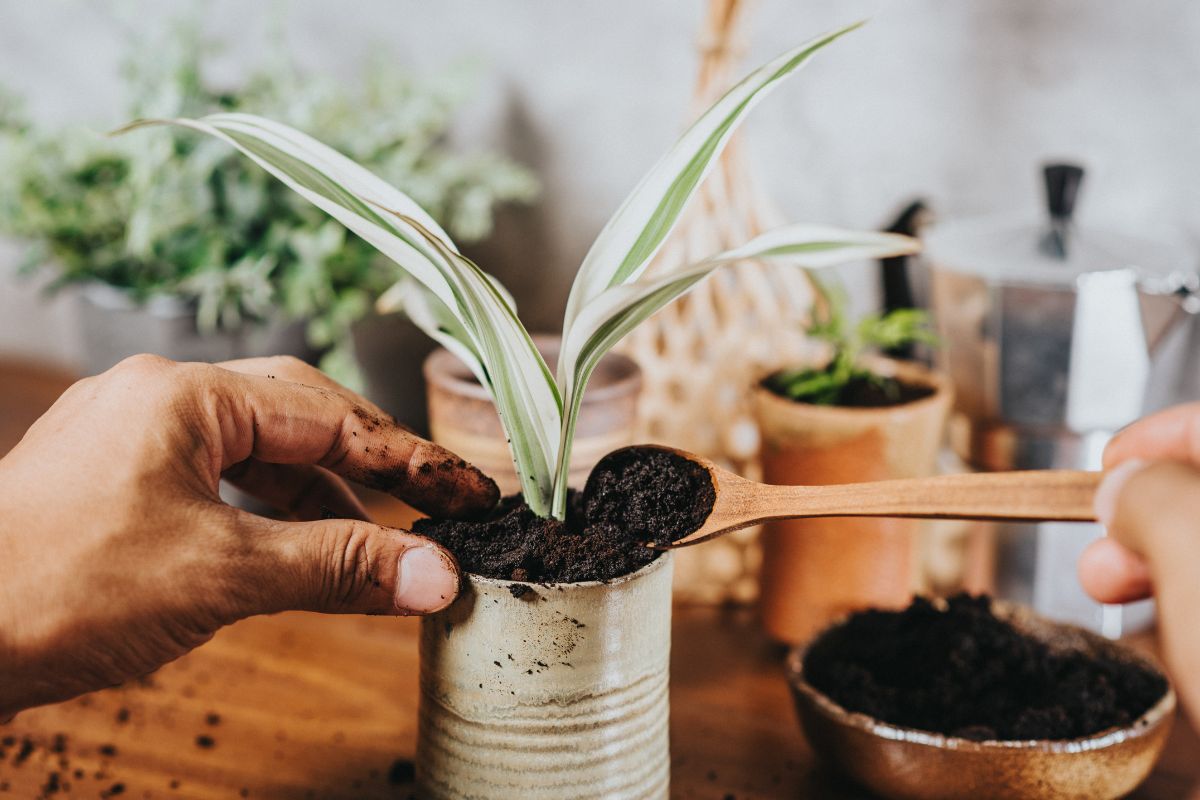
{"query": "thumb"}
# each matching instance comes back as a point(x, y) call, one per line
point(1154, 510)
point(347, 566)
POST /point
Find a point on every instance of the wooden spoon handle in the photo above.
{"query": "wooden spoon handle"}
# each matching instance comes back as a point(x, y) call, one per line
point(1035, 495)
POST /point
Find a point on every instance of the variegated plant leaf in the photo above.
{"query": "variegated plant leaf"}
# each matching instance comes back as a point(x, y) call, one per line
point(388, 219)
point(641, 224)
point(616, 311)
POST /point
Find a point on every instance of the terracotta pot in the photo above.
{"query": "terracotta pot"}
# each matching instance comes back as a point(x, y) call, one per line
point(560, 693)
point(815, 571)
point(463, 419)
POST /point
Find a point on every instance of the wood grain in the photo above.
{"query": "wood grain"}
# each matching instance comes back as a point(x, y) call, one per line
point(1026, 496)
point(311, 706)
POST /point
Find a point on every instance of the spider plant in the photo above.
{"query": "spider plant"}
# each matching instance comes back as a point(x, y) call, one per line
point(470, 313)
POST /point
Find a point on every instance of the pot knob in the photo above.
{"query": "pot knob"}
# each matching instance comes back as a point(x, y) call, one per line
point(1062, 191)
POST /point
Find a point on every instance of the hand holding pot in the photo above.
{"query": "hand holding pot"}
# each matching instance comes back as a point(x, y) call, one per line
point(117, 554)
point(1150, 503)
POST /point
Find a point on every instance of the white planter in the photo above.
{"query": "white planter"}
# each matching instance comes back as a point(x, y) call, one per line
point(556, 695)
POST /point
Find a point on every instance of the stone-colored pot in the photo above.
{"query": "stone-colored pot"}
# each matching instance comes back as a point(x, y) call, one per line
point(463, 419)
point(817, 570)
point(114, 327)
point(558, 694)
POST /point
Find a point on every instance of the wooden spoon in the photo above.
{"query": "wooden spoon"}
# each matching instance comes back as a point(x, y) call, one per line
point(1029, 496)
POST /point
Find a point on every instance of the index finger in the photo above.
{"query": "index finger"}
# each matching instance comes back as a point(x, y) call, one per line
point(283, 422)
point(1170, 435)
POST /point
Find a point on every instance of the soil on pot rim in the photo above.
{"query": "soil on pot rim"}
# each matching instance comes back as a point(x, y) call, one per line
point(639, 496)
point(862, 393)
point(964, 672)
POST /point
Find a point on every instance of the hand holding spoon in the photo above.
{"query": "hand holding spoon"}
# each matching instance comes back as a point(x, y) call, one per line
point(1029, 496)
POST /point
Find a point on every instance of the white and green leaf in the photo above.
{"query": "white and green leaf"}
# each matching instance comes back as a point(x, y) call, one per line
point(632, 236)
point(612, 314)
point(485, 322)
point(470, 313)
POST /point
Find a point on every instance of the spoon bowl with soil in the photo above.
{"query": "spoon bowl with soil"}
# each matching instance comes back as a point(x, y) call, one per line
point(974, 698)
point(678, 498)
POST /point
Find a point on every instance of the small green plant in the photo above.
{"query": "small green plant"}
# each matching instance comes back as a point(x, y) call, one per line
point(828, 385)
point(470, 313)
point(185, 217)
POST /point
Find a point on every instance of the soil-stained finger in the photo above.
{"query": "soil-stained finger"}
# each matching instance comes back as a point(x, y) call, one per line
point(281, 422)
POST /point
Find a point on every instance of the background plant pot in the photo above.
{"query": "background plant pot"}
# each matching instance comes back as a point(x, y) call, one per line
point(560, 693)
point(815, 571)
point(114, 326)
point(390, 351)
point(463, 419)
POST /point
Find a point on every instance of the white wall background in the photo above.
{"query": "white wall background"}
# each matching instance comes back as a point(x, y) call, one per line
point(954, 101)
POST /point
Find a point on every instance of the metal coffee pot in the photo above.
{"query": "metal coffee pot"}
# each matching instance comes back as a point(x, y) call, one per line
point(1055, 337)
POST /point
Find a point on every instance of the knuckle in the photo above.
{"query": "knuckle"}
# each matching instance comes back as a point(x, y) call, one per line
point(142, 366)
point(349, 563)
point(287, 364)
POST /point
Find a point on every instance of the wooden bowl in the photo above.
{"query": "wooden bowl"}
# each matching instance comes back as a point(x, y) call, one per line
point(909, 764)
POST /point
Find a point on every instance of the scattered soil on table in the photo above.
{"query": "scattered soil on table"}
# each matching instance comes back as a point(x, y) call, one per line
point(634, 499)
point(862, 392)
point(964, 672)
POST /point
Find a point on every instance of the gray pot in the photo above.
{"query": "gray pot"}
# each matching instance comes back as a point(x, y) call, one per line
point(559, 694)
point(114, 326)
point(390, 350)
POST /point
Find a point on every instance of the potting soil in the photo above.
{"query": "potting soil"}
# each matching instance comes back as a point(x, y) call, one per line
point(964, 672)
point(637, 497)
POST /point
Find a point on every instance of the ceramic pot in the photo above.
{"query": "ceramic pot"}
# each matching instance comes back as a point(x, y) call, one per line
point(557, 694)
point(908, 764)
point(815, 571)
point(114, 326)
point(390, 351)
point(462, 418)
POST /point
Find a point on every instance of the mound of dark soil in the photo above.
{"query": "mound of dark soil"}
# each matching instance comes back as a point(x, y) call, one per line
point(859, 392)
point(632, 498)
point(964, 672)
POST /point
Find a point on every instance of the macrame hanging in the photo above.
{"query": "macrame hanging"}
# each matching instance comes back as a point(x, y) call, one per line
point(700, 355)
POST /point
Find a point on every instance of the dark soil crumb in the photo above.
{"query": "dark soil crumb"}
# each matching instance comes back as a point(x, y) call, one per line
point(964, 672)
point(516, 544)
point(114, 790)
point(207, 742)
point(519, 590)
point(860, 392)
point(25, 752)
point(401, 772)
point(212, 718)
point(108, 750)
point(123, 715)
point(655, 495)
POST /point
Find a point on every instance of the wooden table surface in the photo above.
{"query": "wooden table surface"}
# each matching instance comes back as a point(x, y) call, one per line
point(305, 706)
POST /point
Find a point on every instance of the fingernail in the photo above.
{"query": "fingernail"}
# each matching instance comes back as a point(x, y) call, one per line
point(426, 581)
point(1109, 490)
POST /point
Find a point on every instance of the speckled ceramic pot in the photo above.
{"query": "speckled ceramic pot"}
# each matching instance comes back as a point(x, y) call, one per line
point(556, 694)
point(908, 764)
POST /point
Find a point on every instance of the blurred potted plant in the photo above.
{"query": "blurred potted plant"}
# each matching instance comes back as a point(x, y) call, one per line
point(853, 417)
point(182, 247)
point(549, 678)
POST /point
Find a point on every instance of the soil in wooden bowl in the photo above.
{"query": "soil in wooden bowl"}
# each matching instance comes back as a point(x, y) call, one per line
point(647, 496)
point(961, 671)
point(879, 391)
